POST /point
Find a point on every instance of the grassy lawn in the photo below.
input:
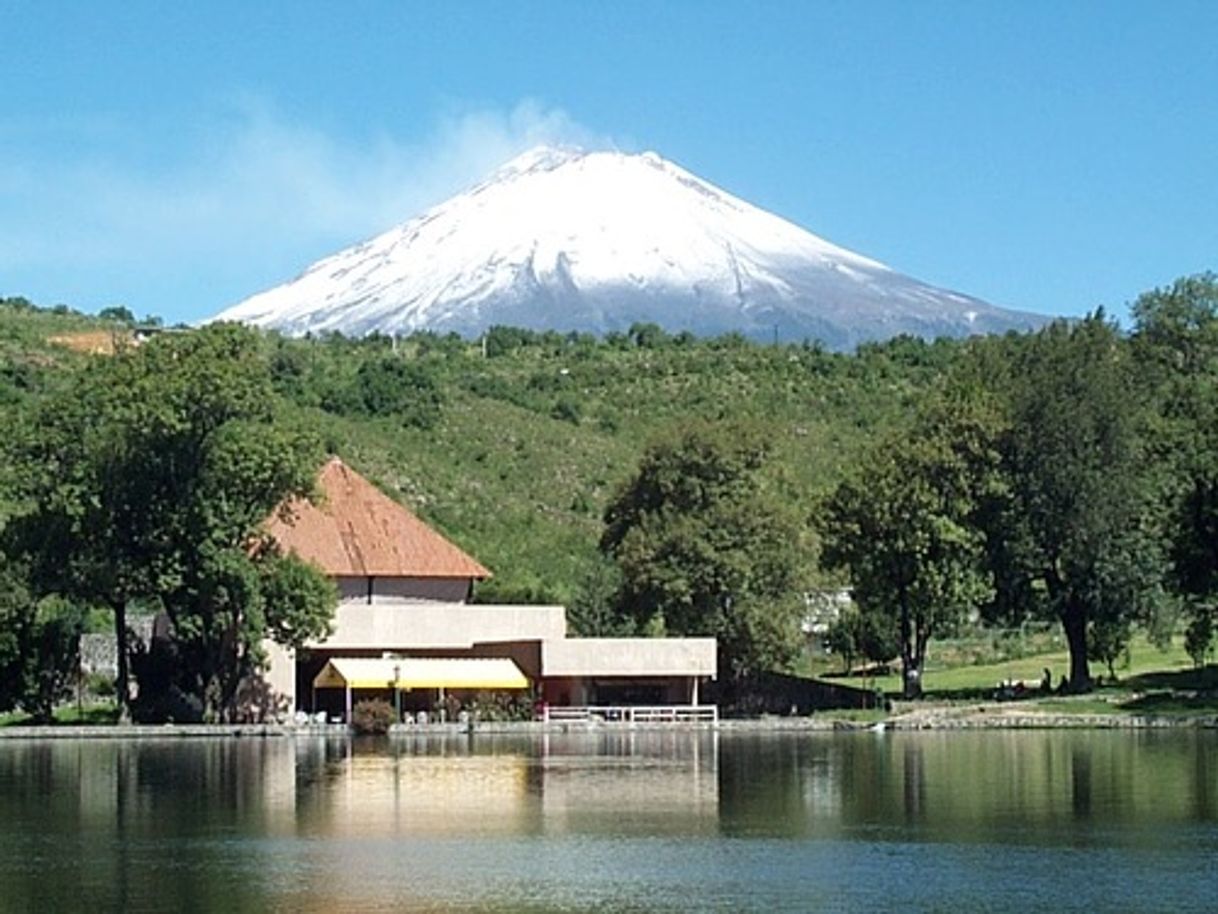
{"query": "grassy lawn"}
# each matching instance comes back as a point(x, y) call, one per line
point(1151, 681)
point(1147, 667)
point(68, 716)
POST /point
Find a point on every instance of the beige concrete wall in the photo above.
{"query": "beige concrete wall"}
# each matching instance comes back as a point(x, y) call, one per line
point(280, 673)
point(641, 657)
point(402, 626)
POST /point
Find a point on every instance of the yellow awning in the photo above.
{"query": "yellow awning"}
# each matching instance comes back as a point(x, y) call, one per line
point(421, 673)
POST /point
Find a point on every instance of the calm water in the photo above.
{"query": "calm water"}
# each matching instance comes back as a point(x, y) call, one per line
point(960, 822)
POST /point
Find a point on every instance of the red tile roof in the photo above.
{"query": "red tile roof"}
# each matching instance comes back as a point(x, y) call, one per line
point(359, 531)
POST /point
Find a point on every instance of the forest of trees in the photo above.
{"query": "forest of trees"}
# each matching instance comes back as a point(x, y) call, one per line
point(656, 483)
point(1067, 475)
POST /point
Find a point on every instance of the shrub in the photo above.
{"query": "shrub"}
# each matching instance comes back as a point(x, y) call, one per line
point(1199, 636)
point(566, 410)
point(374, 715)
point(117, 313)
point(545, 381)
point(387, 385)
point(100, 685)
point(499, 706)
point(648, 335)
point(500, 340)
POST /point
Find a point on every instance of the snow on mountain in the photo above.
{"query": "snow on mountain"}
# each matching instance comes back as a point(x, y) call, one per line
point(569, 240)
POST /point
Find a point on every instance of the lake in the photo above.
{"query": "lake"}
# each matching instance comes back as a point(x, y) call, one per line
point(615, 821)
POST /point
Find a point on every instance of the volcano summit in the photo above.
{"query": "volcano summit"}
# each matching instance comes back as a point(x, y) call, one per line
point(561, 239)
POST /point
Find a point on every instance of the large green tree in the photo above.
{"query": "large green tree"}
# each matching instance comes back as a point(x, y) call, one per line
point(905, 527)
point(147, 479)
point(1079, 536)
point(1176, 344)
point(707, 546)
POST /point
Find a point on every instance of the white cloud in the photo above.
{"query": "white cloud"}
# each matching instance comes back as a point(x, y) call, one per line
point(253, 197)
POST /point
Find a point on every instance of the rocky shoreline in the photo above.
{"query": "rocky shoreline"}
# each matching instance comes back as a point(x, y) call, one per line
point(914, 718)
point(1017, 718)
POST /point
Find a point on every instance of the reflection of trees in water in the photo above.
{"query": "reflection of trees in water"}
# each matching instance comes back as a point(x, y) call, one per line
point(914, 781)
point(985, 785)
point(228, 823)
point(784, 785)
point(1080, 781)
point(119, 813)
point(1205, 782)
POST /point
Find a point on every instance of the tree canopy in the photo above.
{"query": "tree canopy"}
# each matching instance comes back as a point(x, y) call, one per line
point(706, 546)
point(905, 526)
point(1176, 345)
point(1079, 533)
point(146, 480)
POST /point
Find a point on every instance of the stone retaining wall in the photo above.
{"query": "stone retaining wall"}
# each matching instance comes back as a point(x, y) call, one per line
point(99, 652)
point(913, 721)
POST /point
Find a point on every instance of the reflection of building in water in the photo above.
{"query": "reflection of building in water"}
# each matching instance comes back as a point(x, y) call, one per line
point(640, 783)
point(438, 813)
point(367, 795)
point(508, 823)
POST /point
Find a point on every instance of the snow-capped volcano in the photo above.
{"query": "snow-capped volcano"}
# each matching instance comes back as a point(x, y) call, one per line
point(569, 240)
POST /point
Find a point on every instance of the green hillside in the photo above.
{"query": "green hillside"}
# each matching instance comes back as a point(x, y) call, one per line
point(1063, 476)
point(530, 444)
point(535, 431)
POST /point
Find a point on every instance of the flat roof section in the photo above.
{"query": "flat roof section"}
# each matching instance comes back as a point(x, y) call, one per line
point(639, 657)
point(428, 625)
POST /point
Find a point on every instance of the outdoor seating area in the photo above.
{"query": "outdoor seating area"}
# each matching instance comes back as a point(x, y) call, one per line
point(410, 674)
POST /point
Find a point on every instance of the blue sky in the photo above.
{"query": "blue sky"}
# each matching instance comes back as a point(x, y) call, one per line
point(176, 157)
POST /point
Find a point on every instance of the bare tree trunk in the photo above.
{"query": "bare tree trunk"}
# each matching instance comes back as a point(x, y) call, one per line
point(911, 675)
point(923, 636)
point(122, 688)
point(1074, 622)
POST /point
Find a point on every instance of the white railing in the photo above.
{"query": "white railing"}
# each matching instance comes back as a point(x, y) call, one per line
point(633, 714)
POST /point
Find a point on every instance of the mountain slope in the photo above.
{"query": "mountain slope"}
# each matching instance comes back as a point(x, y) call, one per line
point(505, 471)
point(567, 240)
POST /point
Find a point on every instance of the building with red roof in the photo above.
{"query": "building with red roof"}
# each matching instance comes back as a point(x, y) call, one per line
point(405, 596)
point(372, 545)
